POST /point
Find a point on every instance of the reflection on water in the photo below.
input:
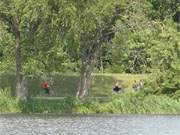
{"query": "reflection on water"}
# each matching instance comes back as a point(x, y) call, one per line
point(89, 125)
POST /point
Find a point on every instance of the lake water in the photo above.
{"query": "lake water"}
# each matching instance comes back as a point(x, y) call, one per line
point(89, 125)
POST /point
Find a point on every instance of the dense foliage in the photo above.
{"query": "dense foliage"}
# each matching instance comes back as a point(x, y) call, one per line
point(44, 37)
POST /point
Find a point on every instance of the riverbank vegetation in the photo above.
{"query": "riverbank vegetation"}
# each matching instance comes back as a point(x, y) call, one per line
point(128, 103)
point(82, 48)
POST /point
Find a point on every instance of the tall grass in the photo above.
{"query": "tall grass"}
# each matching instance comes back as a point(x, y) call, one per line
point(131, 103)
point(48, 106)
point(128, 103)
point(8, 103)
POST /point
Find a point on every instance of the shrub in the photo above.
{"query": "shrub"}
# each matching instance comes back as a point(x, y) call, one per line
point(7, 102)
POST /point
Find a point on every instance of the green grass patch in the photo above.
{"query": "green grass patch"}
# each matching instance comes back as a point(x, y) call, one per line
point(66, 85)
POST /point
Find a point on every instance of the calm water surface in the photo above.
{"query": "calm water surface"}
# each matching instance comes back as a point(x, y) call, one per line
point(89, 125)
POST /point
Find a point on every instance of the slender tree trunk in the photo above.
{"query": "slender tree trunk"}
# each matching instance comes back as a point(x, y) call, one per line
point(84, 81)
point(19, 76)
point(88, 64)
point(20, 81)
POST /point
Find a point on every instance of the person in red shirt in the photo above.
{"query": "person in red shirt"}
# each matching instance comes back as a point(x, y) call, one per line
point(46, 87)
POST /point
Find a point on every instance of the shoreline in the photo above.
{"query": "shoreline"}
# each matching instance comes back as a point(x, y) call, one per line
point(87, 115)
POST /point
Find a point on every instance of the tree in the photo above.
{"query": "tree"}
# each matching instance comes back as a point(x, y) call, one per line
point(165, 50)
point(132, 39)
point(17, 16)
point(162, 9)
point(91, 29)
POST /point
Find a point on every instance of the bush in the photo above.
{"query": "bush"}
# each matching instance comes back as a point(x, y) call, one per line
point(7, 102)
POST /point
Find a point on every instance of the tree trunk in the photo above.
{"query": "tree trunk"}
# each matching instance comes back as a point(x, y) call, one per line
point(88, 63)
point(19, 76)
point(20, 87)
point(84, 81)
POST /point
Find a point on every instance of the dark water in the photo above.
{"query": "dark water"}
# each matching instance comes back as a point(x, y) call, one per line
point(89, 125)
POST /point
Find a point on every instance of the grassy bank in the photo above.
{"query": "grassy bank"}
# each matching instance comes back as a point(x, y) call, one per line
point(128, 103)
point(66, 85)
